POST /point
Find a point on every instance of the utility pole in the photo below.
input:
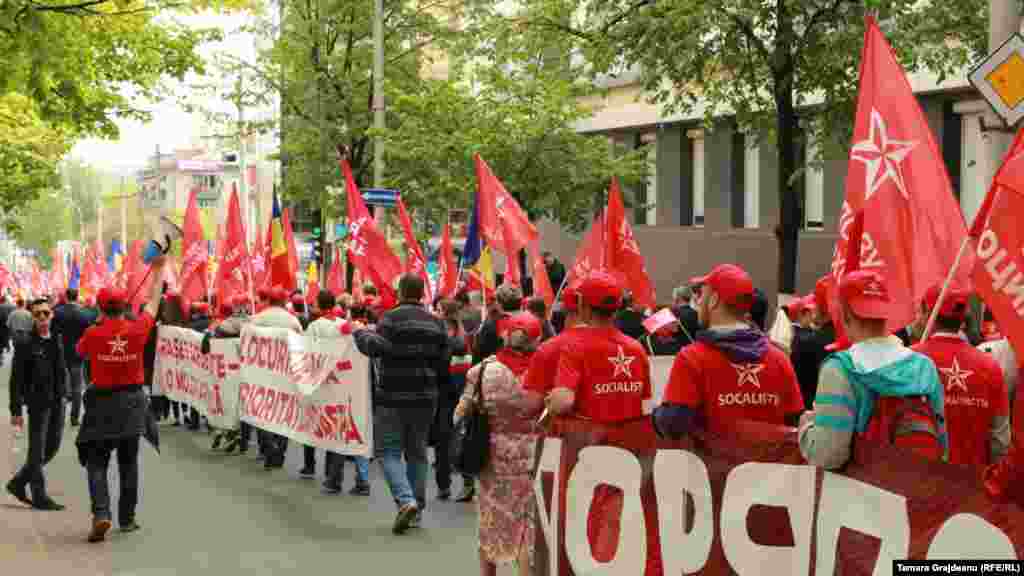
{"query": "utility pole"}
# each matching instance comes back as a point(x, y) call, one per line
point(1003, 22)
point(378, 100)
point(124, 217)
point(242, 174)
point(322, 130)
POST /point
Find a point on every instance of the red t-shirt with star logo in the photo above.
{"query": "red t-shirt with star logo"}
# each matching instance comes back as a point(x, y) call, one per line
point(541, 377)
point(975, 392)
point(608, 371)
point(705, 379)
point(114, 349)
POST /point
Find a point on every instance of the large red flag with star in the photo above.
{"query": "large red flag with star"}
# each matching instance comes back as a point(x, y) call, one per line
point(448, 277)
point(195, 258)
point(590, 255)
point(415, 263)
point(503, 223)
point(622, 253)
point(368, 248)
point(913, 227)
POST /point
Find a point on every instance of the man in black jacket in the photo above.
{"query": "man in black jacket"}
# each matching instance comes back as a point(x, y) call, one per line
point(413, 351)
point(37, 382)
point(70, 321)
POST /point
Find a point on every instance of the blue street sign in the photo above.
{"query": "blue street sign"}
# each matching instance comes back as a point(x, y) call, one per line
point(340, 230)
point(380, 197)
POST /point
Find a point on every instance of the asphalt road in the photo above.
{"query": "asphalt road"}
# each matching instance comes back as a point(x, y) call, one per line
point(210, 513)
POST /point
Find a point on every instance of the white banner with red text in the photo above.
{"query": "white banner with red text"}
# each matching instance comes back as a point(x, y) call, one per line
point(315, 391)
point(207, 382)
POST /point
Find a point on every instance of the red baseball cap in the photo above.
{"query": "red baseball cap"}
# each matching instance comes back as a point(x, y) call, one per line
point(731, 283)
point(571, 298)
point(297, 299)
point(821, 292)
point(601, 290)
point(226, 308)
point(278, 294)
point(866, 293)
point(524, 321)
point(263, 293)
point(110, 296)
point(239, 300)
point(954, 306)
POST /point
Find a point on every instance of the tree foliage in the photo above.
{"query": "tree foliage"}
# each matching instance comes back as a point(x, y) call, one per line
point(29, 151)
point(43, 222)
point(496, 97)
point(782, 68)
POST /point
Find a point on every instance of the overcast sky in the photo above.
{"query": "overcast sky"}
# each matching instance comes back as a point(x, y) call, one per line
point(171, 127)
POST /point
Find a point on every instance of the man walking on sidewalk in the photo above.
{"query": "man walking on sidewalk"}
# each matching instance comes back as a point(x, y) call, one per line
point(37, 381)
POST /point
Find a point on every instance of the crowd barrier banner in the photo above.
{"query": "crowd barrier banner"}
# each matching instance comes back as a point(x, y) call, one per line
point(314, 391)
point(207, 382)
point(618, 501)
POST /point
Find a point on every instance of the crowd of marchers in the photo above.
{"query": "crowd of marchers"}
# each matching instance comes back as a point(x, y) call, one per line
point(829, 366)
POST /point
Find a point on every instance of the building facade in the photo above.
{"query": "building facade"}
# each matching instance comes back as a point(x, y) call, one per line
point(712, 194)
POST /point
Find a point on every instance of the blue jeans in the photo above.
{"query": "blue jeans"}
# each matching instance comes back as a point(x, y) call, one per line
point(335, 469)
point(398, 431)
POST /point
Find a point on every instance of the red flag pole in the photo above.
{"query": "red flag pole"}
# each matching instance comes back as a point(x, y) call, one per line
point(945, 289)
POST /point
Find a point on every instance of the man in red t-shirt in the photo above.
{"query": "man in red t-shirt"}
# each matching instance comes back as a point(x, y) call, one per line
point(732, 372)
point(602, 375)
point(976, 402)
point(115, 404)
point(540, 378)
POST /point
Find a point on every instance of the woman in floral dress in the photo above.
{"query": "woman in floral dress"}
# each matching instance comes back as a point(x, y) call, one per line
point(505, 500)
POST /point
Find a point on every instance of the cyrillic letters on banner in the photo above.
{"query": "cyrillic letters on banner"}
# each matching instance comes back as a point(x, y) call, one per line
point(314, 391)
point(618, 501)
point(207, 382)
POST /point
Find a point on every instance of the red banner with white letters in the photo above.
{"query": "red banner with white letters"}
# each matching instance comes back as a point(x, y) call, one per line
point(628, 503)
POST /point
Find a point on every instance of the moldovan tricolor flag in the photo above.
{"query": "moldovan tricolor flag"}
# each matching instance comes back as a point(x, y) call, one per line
point(368, 246)
point(312, 284)
point(415, 263)
point(913, 227)
point(622, 252)
point(195, 257)
point(281, 272)
point(448, 279)
point(999, 238)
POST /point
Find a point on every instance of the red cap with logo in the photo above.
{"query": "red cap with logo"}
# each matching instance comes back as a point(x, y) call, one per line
point(866, 294)
point(821, 293)
point(111, 296)
point(601, 290)
point(731, 283)
point(954, 305)
point(524, 321)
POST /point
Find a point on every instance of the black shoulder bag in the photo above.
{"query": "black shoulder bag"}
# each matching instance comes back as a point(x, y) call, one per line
point(473, 434)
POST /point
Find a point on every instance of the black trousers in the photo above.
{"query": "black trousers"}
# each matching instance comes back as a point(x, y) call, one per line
point(309, 457)
point(128, 470)
point(45, 431)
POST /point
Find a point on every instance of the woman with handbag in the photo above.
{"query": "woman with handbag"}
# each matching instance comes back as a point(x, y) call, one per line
point(498, 411)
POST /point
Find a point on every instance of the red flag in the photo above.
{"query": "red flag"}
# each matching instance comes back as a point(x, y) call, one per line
point(415, 263)
point(336, 275)
point(503, 224)
point(369, 248)
point(134, 272)
point(513, 274)
point(258, 259)
point(997, 270)
point(312, 285)
point(195, 254)
point(622, 252)
point(541, 280)
point(448, 278)
point(233, 265)
point(913, 227)
point(590, 255)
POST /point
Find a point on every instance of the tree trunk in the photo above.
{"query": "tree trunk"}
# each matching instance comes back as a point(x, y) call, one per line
point(788, 231)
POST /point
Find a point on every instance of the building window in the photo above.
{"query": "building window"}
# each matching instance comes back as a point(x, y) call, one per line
point(814, 189)
point(696, 138)
point(646, 209)
point(751, 186)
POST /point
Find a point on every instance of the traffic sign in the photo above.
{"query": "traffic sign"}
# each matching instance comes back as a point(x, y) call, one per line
point(1000, 80)
point(380, 197)
point(340, 230)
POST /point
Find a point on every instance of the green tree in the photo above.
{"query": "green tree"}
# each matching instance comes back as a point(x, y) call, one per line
point(786, 68)
point(42, 223)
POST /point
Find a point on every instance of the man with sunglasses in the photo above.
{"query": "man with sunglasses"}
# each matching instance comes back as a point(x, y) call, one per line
point(38, 382)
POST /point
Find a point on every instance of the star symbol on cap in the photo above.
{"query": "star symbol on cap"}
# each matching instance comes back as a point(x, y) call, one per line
point(748, 373)
point(621, 363)
point(882, 156)
point(955, 377)
point(118, 345)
